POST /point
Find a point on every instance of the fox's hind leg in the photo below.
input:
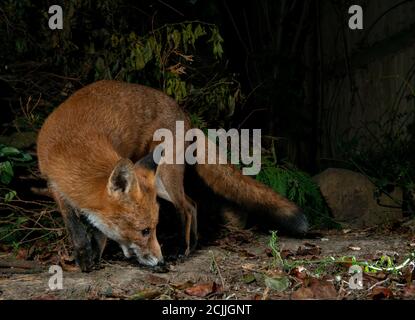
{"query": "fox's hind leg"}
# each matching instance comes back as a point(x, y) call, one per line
point(172, 177)
point(83, 249)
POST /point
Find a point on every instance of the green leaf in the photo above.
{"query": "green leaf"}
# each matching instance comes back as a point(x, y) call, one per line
point(278, 284)
point(139, 59)
point(21, 220)
point(6, 172)
point(248, 278)
point(176, 36)
point(8, 151)
point(199, 31)
point(10, 196)
point(216, 40)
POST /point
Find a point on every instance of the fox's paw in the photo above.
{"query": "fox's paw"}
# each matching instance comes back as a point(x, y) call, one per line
point(85, 259)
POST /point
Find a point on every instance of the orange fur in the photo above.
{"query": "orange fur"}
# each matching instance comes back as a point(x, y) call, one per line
point(104, 124)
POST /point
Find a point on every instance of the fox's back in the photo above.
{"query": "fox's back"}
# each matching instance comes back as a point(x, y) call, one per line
point(100, 123)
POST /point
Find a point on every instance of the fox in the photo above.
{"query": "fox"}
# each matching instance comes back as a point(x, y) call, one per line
point(96, 151)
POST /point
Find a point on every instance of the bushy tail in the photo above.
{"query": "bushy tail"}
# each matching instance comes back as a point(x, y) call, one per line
point(229, 182)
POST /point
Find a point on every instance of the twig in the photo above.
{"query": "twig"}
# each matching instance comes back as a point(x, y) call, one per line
point(377, 284)
point(171, 8)
point(218, 269)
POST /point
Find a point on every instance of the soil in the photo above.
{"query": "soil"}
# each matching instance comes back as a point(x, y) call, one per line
point(235, 266)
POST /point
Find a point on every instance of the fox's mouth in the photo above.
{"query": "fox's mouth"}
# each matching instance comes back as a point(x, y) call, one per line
point(128, 251)
point(147, 260)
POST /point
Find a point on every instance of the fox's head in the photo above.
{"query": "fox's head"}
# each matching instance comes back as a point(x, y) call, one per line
point(129, 212)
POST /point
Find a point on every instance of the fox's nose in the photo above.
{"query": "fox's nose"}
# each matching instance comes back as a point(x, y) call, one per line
point(161, 262)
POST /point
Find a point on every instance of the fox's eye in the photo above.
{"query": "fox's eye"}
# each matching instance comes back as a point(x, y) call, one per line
point(145, 232)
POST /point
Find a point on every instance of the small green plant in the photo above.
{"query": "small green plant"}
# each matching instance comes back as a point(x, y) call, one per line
point(275, 250)
point(298, 187)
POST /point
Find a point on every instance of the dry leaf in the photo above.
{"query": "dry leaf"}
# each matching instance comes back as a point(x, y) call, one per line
point(381, 293)
point(156, 280)
point(317, 289)
point(146, 294)
point(183, 285)
point(308, 250)
point(204, 289)
point(409, 291)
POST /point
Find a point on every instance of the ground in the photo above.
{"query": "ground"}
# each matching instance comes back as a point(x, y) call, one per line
point(240, 265)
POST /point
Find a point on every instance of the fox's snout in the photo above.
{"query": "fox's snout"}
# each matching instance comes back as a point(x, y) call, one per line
point(151, 256)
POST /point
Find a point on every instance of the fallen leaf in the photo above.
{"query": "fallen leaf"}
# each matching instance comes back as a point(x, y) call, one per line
point(409, 291)
point(155, 280)
point(353, 248)
point(299, 273)
point(146, 294)
point(248, 278)
point(380, 276)
point(183, 285)
point(70, 268)
point(249, 267)
point(308, 250)
point(204, 289)
point(303, 294)
point(22, 254)
point(286, 254)
point(381, 293)
point(317, 289)
point(278, 284)
point(247, 254)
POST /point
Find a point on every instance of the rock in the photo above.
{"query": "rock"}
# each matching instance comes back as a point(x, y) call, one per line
point(351, 198)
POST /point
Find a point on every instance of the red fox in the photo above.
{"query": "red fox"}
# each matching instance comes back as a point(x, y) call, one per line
point(95, 150)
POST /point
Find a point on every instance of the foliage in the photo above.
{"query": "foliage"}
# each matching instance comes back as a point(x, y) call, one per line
point(10, 157)
point(275, 250)
point(105, 40)
point(298, 187)
point(165, 58)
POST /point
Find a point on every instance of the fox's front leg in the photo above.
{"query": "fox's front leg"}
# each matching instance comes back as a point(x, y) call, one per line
point(84, 254)
point(97, 238)
point(81, 240)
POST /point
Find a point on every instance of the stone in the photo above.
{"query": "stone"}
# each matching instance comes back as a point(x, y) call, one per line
point(352, 200)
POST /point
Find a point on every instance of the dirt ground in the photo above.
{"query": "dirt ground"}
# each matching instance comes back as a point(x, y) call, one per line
point(240, 265)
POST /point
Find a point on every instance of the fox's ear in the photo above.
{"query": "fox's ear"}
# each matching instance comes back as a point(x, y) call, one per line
point(161, 189)
point(149, 162)
point(122, 179)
